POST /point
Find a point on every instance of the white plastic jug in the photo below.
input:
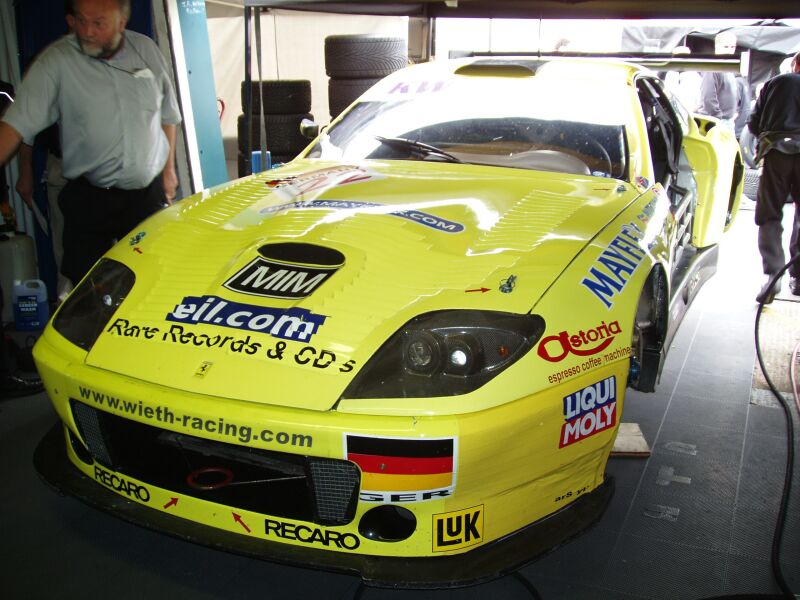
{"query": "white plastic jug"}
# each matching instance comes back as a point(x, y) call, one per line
point(30, 305)
point(17, 261)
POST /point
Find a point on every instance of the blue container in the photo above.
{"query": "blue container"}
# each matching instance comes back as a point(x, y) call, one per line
point(258, 165)
point(30, 305)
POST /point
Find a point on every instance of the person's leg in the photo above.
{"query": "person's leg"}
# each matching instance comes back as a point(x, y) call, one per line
point(773, 188)
point(55, 183)
point(88, 214)
point(137, 206)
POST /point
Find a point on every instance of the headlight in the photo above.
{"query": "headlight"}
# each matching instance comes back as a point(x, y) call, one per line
point(91, 305)
point(446, 353)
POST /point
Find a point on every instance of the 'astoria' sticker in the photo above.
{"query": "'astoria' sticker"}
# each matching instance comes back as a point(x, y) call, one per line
point(289, 324)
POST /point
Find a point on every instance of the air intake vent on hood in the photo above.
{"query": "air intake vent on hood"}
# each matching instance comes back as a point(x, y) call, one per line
point(302, 254)
point(493, 67)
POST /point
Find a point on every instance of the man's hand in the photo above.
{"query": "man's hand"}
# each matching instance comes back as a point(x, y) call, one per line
point(170, 178)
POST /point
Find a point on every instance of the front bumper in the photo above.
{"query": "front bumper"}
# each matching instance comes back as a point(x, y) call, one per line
point(484, 563)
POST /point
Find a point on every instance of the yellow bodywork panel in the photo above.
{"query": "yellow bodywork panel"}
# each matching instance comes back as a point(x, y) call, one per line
point(386, 350)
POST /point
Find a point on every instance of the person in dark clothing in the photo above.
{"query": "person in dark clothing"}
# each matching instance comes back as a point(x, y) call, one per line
point(775, 120)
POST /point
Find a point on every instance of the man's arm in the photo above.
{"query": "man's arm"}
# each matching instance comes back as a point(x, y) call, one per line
point(24, 185)
point(709, 90)
point(10, 138)
point(170, 176)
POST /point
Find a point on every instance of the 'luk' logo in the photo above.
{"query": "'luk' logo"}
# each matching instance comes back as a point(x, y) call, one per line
point(458, 529)
point(588, 411)
point(555, 348)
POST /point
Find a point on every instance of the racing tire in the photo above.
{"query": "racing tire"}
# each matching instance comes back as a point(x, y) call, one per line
point(281, 97)
point(282, 132)
point(364, 56)
point(751, 178)
point(649, 332)
point(748, 143)
point(342, 93)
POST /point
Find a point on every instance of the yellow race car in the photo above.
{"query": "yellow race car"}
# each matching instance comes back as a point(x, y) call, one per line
point(405, 353)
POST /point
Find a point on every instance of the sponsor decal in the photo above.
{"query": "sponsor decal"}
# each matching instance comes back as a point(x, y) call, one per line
point(571, 494)
point(611, 271)
point(458, 529)
point(290, 324)
point(311, 535)
point(321, 179)
point(555, 348)
point(137, 239)
point(318, 358)
point(417, 216)
point(396, 498)
point(589, 411)
point(245, 434)
point(120, 484)
point(417, 87)
point(648, 210)
point(589, 364)
point(273, 279)
point(412, 469)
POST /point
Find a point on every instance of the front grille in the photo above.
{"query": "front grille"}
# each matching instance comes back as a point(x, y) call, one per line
point(88, 421)
point(334, 482)
point(305, 488)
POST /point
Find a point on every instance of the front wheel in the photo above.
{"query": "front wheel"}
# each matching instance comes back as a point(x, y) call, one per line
point(649, 330)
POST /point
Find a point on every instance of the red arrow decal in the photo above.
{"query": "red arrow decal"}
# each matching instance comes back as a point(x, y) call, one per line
point(172, 502)
point(238, 519)
point(482, 290)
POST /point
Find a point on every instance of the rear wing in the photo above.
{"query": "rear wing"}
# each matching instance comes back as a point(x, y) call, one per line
point(655, 61)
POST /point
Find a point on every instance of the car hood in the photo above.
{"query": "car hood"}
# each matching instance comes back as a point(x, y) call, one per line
point(279, 287)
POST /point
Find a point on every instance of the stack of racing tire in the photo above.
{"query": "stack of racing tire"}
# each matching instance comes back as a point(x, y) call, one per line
point(354, 63)
point(286, 103)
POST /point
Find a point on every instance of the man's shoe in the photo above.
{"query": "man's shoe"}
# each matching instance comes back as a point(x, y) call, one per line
point(794, 285)
point(768, 292)
point(12, 386)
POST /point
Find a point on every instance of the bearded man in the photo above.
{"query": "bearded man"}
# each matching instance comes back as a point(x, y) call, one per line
point(110, 93)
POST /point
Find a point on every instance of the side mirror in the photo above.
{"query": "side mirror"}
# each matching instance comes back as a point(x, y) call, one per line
point(309, 129)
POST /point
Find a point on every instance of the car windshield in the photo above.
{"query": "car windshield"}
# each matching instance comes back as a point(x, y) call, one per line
point(517, 127)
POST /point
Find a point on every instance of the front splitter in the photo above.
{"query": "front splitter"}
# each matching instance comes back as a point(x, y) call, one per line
point(490, 561)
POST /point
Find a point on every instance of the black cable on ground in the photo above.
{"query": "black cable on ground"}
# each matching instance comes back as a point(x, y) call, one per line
point(787, 482)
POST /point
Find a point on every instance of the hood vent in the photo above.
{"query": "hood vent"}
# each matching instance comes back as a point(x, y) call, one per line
point(295, 253)
point(492, 67)
point(287, 270)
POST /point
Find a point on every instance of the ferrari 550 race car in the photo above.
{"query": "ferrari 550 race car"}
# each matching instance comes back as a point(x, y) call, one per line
point(405, 353)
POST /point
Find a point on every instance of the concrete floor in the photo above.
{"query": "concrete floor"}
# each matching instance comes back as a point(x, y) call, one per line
point(694, 520)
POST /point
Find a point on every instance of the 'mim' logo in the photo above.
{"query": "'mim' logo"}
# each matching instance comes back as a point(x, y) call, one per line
point(458, 529)
point(264, 277)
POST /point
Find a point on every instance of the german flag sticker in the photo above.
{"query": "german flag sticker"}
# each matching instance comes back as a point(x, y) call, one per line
point(402, 464)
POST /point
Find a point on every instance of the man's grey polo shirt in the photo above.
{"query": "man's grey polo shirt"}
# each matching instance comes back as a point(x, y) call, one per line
point(109, 112)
